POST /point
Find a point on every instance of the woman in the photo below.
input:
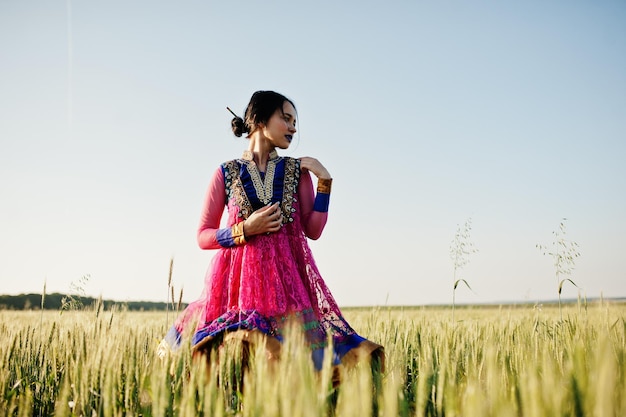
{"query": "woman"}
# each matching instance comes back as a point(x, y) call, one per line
point(263, 275)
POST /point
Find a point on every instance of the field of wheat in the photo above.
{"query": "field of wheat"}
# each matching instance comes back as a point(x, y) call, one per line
point(489, 361)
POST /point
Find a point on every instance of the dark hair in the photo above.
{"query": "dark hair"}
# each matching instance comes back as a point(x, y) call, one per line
point(263, 104)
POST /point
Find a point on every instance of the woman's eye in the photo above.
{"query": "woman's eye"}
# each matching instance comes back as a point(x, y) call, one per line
point(289, 120)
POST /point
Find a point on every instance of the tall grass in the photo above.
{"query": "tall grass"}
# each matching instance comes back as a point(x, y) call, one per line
point(461, 248)
point(564, 253)
point(512, 361)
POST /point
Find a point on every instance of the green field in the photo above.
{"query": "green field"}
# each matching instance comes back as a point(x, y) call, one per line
point(507, 361)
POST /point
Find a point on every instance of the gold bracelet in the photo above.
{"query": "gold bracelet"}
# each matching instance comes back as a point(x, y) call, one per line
point(324, 185)
point(237, 233)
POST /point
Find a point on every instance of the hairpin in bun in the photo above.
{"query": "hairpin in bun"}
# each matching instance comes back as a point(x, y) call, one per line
point(238, 124)
point(232, 112)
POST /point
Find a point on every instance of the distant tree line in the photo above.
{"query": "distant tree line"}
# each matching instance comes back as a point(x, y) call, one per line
point(55, 301)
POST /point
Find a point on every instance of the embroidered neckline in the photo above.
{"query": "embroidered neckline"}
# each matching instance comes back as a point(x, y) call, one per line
point(264, 187)
point(249, 156)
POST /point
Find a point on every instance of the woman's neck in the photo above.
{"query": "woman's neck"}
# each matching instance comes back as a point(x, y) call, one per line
point(260, 148)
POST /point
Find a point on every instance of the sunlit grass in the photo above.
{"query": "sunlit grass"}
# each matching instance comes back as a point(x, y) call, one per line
point(509, 361)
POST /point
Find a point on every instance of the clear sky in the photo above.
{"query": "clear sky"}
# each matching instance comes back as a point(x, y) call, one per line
point(426, 113)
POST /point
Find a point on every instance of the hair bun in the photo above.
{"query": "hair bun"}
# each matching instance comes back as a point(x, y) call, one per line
point(239, 126)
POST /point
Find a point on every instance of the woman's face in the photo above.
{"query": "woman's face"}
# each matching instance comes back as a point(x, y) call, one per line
point(281, 127)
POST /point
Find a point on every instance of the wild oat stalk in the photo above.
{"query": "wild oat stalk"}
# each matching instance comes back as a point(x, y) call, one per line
point(460, 250)
point(564, 253)
point(72, 300)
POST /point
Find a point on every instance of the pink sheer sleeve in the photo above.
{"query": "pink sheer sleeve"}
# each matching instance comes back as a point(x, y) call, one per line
point(212, 210)
point(313, 222)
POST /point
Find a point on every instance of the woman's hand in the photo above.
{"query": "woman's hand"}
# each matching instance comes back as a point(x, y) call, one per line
point(315, 166)
point(265, 220)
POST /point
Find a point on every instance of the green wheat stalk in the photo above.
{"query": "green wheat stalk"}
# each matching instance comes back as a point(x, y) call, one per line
point(180, 300)
point(43, 297)
point(169, 287)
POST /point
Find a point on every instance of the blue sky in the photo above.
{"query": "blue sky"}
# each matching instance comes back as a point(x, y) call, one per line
point(513, 114)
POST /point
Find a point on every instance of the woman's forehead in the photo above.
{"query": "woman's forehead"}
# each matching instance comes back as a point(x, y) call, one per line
point(289, 109)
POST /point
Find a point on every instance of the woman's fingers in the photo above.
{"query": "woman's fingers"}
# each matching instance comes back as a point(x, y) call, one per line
point(272, 217)
point(276, 219)
point(315, 166)
point(265, 220)
point(268, 208)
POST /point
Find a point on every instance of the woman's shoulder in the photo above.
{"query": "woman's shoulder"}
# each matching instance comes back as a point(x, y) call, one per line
point(229, 168)
point(231, 163)
point(291, 161)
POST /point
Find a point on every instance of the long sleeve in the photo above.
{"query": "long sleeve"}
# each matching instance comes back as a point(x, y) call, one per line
point(212, 210)
point(314, 208)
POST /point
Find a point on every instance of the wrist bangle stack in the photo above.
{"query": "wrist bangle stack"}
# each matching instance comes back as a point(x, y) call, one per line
point(237, 233)
point(324, 185)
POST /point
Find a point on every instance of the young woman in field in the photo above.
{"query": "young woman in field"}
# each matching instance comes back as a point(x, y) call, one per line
point(264, 275)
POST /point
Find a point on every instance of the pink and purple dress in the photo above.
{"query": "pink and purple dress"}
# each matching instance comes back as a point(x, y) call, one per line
point(271, 279)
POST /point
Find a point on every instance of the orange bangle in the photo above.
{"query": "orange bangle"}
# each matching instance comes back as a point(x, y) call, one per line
point(237, 232)
point(324, 185)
